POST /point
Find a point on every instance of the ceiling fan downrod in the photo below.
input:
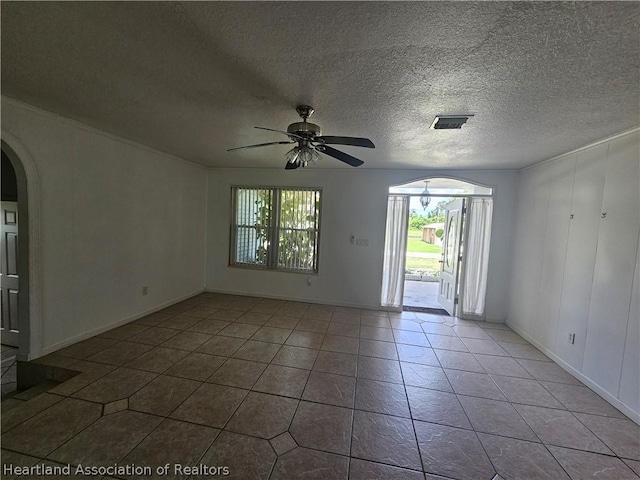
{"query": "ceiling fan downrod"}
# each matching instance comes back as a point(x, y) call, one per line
point(305, 111)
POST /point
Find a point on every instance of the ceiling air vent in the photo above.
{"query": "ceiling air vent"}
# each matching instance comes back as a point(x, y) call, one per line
point(450, 122)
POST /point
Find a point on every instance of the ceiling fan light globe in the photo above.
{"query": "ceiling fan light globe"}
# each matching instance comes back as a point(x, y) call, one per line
point(315, 156)
point(293, 155)
point(306, 155)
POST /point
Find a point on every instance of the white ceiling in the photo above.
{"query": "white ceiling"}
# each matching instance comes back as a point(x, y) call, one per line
point(193, 78)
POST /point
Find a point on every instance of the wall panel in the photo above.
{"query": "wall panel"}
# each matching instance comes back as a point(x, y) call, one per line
point(630, 378)
point(580, 257)
point(590, 283)
point(614, 268)
point(553, 246)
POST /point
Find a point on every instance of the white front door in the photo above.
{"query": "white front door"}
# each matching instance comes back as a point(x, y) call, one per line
point(449, 265)
point(9, 273)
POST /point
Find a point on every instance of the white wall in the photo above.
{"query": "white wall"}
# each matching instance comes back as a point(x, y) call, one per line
point(354, 202)
point(576, 275)
point(114, 216)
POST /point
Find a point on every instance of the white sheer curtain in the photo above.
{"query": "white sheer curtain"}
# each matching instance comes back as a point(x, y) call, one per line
point(479, 214)
point(394, 251)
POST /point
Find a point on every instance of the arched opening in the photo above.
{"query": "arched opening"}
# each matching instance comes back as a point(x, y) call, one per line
point(15, 264)
point(437, 246)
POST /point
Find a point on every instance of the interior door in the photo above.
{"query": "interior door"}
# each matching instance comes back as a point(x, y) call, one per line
point(9, 273)
point(450, 263)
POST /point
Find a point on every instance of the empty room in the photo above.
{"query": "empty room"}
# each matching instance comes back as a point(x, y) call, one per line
point(320, 240)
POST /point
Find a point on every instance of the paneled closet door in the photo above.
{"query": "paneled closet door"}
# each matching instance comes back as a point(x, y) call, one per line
point(630, 378)
point(553, 248)
point(530, 252)
point(579, 265)
point(615, 264)
point(520, 288)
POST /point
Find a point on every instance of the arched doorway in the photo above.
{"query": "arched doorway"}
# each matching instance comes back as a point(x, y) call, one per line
point(437, 247)
point(15, 272)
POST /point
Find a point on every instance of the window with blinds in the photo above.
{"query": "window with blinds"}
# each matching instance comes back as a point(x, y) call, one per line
point(276, 228)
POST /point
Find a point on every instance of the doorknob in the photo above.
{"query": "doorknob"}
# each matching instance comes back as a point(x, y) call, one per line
point(603, 215)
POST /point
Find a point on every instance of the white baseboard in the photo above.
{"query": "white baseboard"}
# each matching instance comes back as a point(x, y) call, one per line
point(123, 321)
point(294, 299)
point(495, 320)
point(624, 408)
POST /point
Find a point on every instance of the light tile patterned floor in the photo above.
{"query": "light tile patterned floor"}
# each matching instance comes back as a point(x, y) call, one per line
point(285, 390)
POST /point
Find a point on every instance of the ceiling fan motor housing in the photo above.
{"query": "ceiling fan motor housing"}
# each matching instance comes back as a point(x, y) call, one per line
point(304, 129)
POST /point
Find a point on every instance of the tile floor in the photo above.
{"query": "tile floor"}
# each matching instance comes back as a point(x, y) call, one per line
point(283, 390)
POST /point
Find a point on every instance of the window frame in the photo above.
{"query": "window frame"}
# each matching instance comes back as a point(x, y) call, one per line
point(271, 263)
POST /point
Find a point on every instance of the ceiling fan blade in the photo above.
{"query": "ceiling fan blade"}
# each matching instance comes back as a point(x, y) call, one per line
point(280, 131)
point(291, 166)
point(260, 145)
point(355, 141)
point(343, 157)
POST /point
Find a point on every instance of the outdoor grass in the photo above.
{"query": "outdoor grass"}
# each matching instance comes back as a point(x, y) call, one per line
point(417, 245)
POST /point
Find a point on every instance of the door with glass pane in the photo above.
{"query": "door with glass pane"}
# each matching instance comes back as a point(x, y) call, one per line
point(450, 262)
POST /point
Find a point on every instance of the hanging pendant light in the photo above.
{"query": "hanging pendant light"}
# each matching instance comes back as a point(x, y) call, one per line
point(425, 199)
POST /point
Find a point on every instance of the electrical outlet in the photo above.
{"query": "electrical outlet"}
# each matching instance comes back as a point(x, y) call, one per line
point(572, 338)
point(145, 290)
point(308, 281)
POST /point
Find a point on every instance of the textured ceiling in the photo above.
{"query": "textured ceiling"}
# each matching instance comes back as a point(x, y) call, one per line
point(193, 78)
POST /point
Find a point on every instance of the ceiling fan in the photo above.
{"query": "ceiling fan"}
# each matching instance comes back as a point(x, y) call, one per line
point(310, 143)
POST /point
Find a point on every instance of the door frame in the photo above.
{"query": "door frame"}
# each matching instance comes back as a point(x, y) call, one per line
point(29, 262)
point(465, 232)
point(466, 199)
